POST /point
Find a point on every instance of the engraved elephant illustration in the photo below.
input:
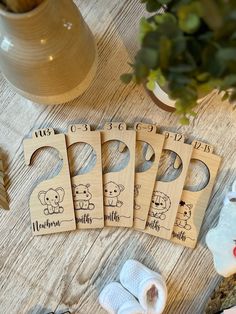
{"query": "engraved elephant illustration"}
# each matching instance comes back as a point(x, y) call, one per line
point(82, 197)
point(52, 200)
point(111, 192)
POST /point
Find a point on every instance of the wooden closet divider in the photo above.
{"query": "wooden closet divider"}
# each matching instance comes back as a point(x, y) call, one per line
point(166, 195)
point(119, 186)
point(87, 188)
point(51, 202)
point(145, 181)
point(3, 195)
point(193, 205)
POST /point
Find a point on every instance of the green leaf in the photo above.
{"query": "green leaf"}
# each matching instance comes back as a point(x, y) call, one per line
point(212, 14)
point(227, 54)
point(232, 15)
point(228, 82)
point(191, 48)
point(203, 76)
point(225, 96)
point(165, 1)
point(141, 72)
point(149, 57)
point(192, 113)
point(153, 5)
point(157, 76)
point(151, 85)
point(179, 44)
point(164, 52)
point(181, 68)
point(233, 36)
point(190, 24)
point(160, 79)
point(164, 18)
point(205, 88)
point(126, 78)
point(145, 27)
point(179, 106)
point(184, 121)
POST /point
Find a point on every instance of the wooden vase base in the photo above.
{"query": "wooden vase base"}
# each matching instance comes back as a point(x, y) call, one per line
point(65, 97)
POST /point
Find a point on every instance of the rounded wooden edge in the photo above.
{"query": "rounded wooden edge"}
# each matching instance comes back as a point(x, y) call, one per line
point(159, 103)
point(19, 16)
point(61, 98)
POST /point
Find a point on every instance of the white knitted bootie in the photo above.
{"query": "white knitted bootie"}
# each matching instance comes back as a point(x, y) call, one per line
point(116, 300)
point(146, 285)
point(221, 240)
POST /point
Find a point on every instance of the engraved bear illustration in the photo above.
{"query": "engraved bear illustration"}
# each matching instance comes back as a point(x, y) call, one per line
point(160, 204)
point(82, 197)
point(52, 199)
point(111, 192)
point(183, 215)
point(136, 193)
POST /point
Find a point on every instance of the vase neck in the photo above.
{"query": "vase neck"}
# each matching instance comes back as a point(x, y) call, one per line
point(38, 21)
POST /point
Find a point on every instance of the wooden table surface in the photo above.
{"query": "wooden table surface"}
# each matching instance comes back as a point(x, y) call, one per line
point(67, 271)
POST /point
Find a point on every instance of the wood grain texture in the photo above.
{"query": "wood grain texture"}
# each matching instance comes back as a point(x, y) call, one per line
point(118, 186)
point(3, 195)
point(68, 270)
point(193, 204)
point(166, 195)
point(87, 188)
point(51, 202)
point(145, 180)
point(50, 76)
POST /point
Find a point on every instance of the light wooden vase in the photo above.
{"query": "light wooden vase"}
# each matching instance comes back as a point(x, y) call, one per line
point(49, 54)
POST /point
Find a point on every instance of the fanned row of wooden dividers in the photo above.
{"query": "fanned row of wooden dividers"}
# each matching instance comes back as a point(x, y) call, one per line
point(125, 198)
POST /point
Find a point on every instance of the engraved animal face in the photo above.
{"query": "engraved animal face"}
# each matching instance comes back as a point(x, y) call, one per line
point(81, 192)
point(160, 201)
point(51, 197)
point(111, 189)
point(136, 190)
point(184, 211)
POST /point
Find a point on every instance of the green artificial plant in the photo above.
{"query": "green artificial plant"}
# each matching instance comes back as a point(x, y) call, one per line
point(190, 49)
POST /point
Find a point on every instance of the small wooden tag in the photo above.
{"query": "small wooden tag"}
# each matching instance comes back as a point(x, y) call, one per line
point(203, 147)
point(118, 186)
point(149, 128)
point(87, 188)
point(166, 195)
point(177, 137)
point(3, 195)
point(51, 202)
point(43, 133)
point(145, 181)
point(77, 128)
point(193, 205)
point(119, 126)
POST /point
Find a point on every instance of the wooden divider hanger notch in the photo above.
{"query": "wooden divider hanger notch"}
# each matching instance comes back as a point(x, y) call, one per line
point(88, 187)
point(118, 187)
point(166, 195)
point(145, 181)
point(193, 205)
point(51, 202)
